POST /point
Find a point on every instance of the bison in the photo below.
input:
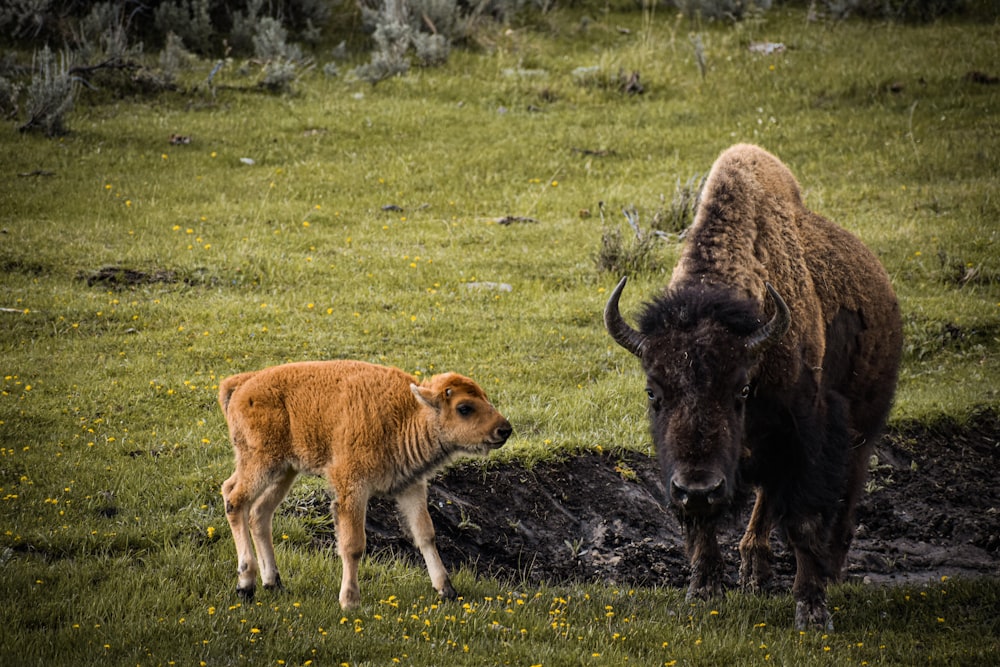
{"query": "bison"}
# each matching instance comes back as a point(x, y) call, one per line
point(370, 430)
point(771, 361)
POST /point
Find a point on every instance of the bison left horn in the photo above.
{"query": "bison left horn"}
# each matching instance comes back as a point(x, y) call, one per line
point(624, 335)
point(776, 327)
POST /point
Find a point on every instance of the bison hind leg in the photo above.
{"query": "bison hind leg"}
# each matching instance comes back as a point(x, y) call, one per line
point(809, 538)
point(844, 523)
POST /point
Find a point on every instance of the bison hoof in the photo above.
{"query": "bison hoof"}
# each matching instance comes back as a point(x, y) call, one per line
point(812, 616)
point(705, 591)
point(245, 594)
point(756, 583)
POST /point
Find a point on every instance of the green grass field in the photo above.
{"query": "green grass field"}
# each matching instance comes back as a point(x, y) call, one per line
point(113, 541)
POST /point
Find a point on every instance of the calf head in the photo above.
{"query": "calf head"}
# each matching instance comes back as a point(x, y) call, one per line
point(464, 417)
point(700, 349)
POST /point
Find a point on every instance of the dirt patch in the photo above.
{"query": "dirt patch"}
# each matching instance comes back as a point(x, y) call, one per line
point(932, 509)
point(118, 277)
point(123, 278)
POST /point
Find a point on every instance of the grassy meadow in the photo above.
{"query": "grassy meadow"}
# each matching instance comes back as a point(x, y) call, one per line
point(351, 221)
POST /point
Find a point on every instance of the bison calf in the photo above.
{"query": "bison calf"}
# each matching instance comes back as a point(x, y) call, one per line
point(370, 430)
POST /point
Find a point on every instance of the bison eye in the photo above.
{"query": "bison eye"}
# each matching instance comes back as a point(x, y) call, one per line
point(465, 409)
point(745, 391)
point(650, 394)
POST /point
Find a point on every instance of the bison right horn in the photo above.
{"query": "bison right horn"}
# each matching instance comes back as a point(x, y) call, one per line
point(624, 335)
point(776, 327)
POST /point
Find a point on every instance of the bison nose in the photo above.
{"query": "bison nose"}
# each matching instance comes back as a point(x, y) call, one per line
point(698, 496)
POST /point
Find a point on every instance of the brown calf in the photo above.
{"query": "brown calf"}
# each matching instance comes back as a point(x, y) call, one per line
point(370, 430)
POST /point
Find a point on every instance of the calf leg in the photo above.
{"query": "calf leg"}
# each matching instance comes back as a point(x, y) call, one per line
point(261, 518)
point(706, 561)
point(412, 504)
point(755, 547)
point(349, 509)
point(238, 499)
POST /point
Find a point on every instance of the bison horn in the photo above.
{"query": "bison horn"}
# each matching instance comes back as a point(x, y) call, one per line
point(624, 335)
point(776, 328)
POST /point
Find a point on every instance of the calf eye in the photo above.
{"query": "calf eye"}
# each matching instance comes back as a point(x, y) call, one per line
point(465, 409)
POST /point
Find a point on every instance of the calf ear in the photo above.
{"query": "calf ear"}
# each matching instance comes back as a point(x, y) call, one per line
point(426, 396)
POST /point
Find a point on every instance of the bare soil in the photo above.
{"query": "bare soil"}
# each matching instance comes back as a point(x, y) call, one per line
point(932, 509)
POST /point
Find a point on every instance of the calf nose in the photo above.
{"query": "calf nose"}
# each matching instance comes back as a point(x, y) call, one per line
point(697, 496)
point(503, 432)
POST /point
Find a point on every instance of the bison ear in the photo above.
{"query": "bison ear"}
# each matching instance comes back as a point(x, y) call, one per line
point(426, 396)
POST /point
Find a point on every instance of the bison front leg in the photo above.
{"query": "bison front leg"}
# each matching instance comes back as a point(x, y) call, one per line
point(706, 561)
point(755, 547)
point(412, 505)
point(350, 509)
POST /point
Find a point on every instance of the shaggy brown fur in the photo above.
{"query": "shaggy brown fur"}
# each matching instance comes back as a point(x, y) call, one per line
point(790, 408)
point(370, 430)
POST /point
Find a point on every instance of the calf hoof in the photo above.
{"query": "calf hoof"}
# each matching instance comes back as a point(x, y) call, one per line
point(447, 592)
point(812, 616)
point(276, 586)
point(245, 594)
point(350, 600)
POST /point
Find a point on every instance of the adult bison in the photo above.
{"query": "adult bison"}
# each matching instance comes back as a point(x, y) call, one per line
point(771, 361)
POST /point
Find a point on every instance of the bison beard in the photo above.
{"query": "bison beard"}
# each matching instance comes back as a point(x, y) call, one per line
point(787, 405)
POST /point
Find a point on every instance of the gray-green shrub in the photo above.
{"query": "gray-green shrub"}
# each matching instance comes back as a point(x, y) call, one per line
point(50, 94)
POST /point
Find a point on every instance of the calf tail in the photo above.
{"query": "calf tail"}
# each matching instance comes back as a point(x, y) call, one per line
point(228, 386)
